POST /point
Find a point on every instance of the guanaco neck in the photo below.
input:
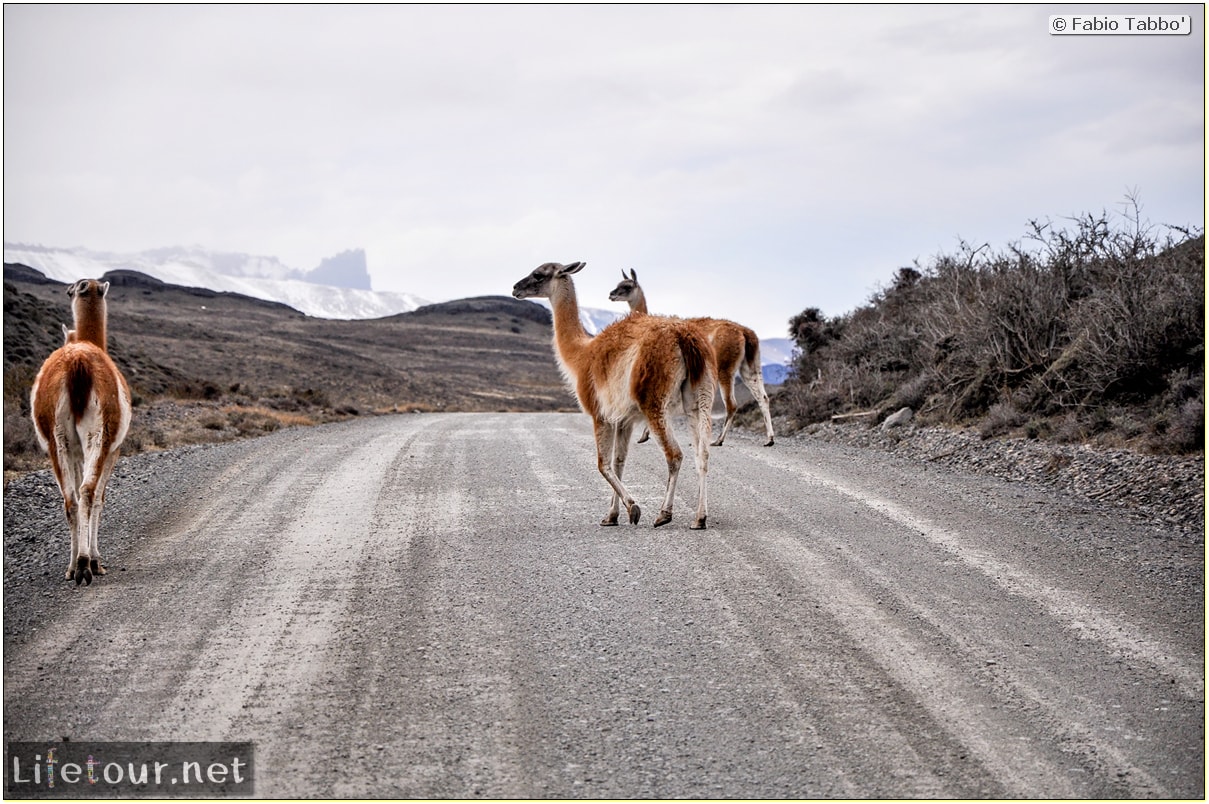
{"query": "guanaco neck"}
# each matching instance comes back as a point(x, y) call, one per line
point(570, 337)
point(89, 315)
point(637, 301)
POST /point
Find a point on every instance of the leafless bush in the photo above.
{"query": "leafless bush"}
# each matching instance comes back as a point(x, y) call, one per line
point(914, 392)
point(1069, 322)
point(1068, 429)
point(1180, 430)
point(1002, 418)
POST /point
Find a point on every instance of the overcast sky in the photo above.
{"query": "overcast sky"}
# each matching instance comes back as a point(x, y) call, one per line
point(748, 161)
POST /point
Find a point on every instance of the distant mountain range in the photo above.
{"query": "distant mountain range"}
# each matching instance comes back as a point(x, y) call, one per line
point(338, 288)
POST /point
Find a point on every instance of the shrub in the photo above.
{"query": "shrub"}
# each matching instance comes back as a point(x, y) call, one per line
point(19, 436)
point(913, 393)
point(1076, 324)
point(1181, 430)
point(1002, 418)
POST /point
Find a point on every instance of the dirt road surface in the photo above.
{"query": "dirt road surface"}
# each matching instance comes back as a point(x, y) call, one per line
point(425, 606)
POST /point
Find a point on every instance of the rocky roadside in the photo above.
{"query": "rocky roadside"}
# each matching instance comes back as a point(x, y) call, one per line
point(1166, 491)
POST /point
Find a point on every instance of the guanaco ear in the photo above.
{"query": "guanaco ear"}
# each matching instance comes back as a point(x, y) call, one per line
point(104, 289)
point(633, 274)
point(572, 268)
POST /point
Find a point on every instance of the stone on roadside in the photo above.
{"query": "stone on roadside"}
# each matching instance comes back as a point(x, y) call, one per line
point(898, 417)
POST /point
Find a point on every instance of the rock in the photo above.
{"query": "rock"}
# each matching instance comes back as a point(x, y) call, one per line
point(898, 417)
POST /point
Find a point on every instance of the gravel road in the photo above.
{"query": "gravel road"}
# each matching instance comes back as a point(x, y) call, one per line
point(424, 606)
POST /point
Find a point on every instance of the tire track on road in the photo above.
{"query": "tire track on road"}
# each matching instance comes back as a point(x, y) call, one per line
point(1064, 605)
point(1045, 698)
point(129, 623)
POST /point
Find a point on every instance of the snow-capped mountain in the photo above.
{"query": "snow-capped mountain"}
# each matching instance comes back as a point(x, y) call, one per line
point(338, 288)
point(259, 277)
point(227, 263)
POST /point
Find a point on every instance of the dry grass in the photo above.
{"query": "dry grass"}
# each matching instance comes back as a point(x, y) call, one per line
point(163, 424)
point(168, 423)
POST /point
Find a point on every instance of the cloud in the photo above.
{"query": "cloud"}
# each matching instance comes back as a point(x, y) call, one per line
point(754, 160)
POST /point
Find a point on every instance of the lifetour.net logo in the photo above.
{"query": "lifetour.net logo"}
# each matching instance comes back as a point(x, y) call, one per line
point(128, 770)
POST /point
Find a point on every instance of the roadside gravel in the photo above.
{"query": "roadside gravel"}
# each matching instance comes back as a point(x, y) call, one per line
point(1162, 490)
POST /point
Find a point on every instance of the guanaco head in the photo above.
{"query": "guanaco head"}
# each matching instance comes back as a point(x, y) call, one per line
point(88, 311)
point(87, 290)
point(627, 288)
point(539, 283)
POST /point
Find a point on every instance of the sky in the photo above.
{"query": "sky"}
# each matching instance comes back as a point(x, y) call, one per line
point(747, 161)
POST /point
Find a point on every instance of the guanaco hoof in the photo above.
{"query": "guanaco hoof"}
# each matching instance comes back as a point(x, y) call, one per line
point(83, 571)
point(664, 518)
point(769, 443)
point(717, 443)
point(609, 521)
point(97, 569)
point(698, 525)
point(635, 513)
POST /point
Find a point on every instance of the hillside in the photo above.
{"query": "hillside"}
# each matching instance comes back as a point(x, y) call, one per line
point(206, 365)
point(1089, 334)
